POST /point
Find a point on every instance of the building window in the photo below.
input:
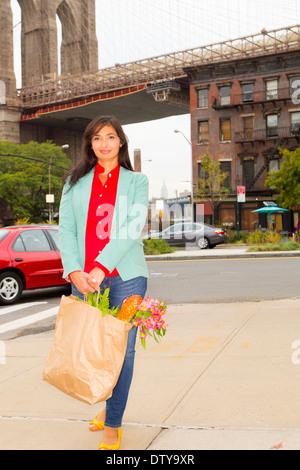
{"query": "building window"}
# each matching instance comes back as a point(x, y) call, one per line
point(224, 95)
point(202, 98)
point(272, 89)
point(247, 92)
point(272, 125)
point(295, 123)
point(202, 174)
point(248, 123)
point(202, 132)
point(248, 173)
point(225, 129)
point(273, 166)
point(225, 167)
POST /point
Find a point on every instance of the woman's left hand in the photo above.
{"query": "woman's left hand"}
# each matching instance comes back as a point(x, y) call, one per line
point(97, 276)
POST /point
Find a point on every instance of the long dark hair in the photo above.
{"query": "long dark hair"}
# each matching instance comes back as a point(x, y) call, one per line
point(89, 159)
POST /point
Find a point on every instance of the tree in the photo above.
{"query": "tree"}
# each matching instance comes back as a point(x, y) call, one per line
point(24, 179)
point(287, 180)
point(211, 185)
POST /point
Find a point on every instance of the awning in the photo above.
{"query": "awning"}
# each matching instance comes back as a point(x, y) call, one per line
point(204, 208)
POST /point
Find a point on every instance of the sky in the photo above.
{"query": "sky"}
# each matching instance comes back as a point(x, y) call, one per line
point(129, 30)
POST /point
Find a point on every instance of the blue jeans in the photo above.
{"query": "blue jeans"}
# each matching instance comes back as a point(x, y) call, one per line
point(118, 291)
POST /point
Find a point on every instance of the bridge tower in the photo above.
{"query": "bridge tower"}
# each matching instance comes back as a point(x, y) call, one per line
point(10, 109)
point(79, 49)
point(39, 51)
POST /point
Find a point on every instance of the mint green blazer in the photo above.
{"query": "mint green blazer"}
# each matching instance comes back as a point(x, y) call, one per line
point(125, 248)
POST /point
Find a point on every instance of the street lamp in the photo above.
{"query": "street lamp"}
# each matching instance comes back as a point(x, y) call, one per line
point(192, 184)
point(49, 196)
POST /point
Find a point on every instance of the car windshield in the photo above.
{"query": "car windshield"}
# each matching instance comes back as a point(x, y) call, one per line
point(3, 234)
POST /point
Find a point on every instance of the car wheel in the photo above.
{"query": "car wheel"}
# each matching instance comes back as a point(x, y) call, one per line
point(202, 243)
point(11, 288)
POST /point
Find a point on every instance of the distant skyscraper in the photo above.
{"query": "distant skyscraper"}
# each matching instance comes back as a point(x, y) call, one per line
point(164, 191)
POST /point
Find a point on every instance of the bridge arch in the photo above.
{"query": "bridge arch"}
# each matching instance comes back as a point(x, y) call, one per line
point(74, 47)
point(79, 49)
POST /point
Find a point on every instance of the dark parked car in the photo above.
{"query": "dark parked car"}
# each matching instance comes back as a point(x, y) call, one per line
point(29, 259)
point(188, 233)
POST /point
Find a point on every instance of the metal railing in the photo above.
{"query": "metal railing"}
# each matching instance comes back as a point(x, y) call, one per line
point(255, 97)
point(154, 69)
point(275, 132)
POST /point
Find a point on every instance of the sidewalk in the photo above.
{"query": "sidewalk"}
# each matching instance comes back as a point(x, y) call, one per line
point(225, 377)
point(220, 252)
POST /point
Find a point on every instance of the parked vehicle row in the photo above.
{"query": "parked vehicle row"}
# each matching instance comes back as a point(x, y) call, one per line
point(188, 233)
point(29, 259)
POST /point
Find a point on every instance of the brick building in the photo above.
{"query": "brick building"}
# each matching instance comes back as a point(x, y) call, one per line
point(241, 112)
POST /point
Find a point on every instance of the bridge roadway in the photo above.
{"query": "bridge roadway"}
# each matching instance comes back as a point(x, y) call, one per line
point(144, 90)
point(131, 105)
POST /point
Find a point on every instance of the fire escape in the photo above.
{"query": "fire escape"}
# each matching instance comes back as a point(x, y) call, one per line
point(249, 139)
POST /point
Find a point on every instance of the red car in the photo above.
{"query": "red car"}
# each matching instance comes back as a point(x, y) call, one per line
point(29, 259)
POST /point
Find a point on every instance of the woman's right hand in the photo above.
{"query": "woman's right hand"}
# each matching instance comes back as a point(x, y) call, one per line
point(81, 281)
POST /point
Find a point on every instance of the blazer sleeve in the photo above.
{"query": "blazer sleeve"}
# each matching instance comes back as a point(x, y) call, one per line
point(129, 230)
point(68, 233)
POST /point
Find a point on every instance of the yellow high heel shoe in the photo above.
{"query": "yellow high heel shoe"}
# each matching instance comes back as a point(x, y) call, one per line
point(113, 446)
point(98, 424)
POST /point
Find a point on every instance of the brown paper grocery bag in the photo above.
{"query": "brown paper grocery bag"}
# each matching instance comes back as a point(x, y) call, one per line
point(88, 351)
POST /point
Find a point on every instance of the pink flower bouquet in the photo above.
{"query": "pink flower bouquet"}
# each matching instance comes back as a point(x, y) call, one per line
point(149, 319)
point(146, 314)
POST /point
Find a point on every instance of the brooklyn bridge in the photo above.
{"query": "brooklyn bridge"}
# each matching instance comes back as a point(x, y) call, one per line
point(58, 107)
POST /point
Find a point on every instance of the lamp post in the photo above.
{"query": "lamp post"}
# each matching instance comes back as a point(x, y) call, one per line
point(192, 179)
point(49, 196)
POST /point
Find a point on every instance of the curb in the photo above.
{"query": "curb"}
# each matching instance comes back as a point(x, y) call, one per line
point(265, 254)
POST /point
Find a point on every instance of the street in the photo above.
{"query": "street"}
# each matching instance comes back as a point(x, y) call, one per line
point(227, 280)
point(175, 282)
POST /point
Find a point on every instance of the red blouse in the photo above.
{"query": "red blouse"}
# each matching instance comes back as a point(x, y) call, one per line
point(100, 215)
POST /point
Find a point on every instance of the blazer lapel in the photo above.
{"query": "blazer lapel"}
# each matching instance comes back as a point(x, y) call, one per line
point(85, 189)
point(122, 200)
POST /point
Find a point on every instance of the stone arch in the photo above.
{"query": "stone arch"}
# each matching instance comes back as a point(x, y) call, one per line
point(79, 49)
point(79, 41)
point(38, 41)
point(70, 47)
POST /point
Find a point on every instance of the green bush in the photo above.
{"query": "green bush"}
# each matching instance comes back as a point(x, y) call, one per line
point(155, 246)
point(258, 237)
point(289, 246)
point(232, 236)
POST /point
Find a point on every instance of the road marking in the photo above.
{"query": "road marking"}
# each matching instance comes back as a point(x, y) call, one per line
point(222, 259)
point(15, 308)
point(28, 320)
point(163, 274)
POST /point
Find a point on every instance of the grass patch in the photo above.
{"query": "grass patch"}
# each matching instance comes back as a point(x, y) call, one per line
point(289, 246)
point(157, 247)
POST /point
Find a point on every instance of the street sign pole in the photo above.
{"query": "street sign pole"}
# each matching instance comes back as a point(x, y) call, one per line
point(241, 197)
point(238, 219)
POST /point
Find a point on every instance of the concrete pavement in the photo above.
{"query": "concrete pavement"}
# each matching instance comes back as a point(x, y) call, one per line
point(226, 376)
point(220, 252)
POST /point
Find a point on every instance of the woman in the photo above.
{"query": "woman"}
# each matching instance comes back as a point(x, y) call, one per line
point(102, 212)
